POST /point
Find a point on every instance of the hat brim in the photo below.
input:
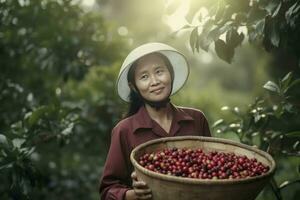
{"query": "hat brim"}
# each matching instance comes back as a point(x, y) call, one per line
point(180, 68)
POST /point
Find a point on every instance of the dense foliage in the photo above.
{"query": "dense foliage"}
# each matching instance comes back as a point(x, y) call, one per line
point(44, 47)
point(273, 24)
point(271, 122)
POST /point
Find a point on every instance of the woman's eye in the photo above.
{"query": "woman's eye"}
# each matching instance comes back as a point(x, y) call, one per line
point(144, 77)
point(159, 71)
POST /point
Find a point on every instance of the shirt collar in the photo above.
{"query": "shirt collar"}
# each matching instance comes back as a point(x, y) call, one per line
point(142, 119)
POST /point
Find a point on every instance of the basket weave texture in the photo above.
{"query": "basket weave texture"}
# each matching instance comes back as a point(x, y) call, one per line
point(167, 187)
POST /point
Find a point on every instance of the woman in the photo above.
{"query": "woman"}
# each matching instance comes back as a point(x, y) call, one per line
point(148, 77)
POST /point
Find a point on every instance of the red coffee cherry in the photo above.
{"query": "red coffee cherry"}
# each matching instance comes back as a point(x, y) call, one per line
point(195, 163)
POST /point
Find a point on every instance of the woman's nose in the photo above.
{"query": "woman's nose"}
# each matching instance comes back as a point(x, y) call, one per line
point(154, 80)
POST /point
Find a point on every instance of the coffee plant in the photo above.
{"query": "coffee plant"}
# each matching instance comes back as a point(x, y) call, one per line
point(271, 122)
point(44, 45)
point(266, 124)
point(273, 24)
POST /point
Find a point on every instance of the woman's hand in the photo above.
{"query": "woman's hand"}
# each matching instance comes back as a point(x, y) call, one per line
point(140, 190)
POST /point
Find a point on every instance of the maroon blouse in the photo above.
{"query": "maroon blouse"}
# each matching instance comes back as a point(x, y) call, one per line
point(135, 130)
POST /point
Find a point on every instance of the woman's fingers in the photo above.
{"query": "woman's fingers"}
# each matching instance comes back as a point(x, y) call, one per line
point(133, 176)
point(139, 184)
point(141, 192)
point(148, 196)
point(141, 189)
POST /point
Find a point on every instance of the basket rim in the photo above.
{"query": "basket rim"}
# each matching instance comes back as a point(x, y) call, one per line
point(203, 181)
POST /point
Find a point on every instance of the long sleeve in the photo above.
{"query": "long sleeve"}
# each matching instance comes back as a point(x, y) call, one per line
point(114, 181)
point(202, 123)
point(206, 130)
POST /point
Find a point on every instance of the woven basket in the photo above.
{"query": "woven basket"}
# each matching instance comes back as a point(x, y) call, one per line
point(167, 187)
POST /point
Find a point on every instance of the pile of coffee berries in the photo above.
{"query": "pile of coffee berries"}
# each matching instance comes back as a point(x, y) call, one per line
point(198, 164)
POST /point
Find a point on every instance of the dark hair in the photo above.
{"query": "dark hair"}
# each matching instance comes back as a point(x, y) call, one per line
point(135, 98)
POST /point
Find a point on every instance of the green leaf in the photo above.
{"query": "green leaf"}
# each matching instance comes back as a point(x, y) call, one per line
point(285, 81)
point(28, 151)
point(233, 38)
point(17, 125)
point(219, 13)
point(252, 34)
point(259, 27)
point(288, 183)
point(217, 123)
point(208, 36)
point(271, 6)
point(231, 136)
point(236, 111)
point(256, 14)
point(272, 34)
point(276, 10)
point(224, 51)
point(257, 117)
point(278, 111)
point(287, 77)
point(275, 37)
point(17, 142)
point(290, 13)
point(240, 18)
point(36, 115)
point(67, 111)
point(295, 82)
point(256, 31)
point(289, 107)
point(203, 40)
point(194, 38)
point(275, 143)
point(68, 130)
point(256, 139)
point(227, 13)
point(293, 134)
point(3, 140)
point(225, 108)
point(6, 165)
point(187, 26)
point(219, 30)
point(290, 143)
point(296, 144)
point(271, 86)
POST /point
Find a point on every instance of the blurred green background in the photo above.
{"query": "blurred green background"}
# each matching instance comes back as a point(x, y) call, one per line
point(59, 60)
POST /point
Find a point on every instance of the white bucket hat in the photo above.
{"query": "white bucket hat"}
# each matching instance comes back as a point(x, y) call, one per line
point(177, 60)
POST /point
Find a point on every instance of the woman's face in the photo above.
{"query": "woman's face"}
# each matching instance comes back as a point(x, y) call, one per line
point(152, 78)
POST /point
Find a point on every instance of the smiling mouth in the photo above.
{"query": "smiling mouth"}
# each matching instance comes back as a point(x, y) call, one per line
point(157, 90)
